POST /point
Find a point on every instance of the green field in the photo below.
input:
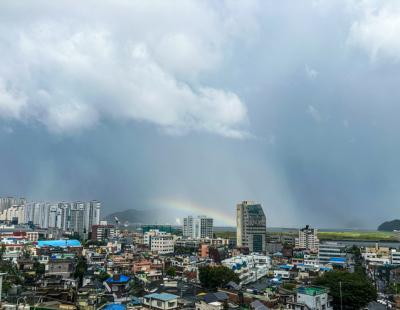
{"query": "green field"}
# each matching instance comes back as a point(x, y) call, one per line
point(359, 235)
point(336, 235)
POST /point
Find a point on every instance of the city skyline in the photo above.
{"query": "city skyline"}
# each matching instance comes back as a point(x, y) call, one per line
point(199, 154)
point(200, 105)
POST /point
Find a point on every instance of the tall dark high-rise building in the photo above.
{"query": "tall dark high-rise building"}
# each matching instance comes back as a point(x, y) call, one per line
point(251, 228)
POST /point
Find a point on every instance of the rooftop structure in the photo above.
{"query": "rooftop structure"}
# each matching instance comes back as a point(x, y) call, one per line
point(162, 296)
point(118, 279)
point(312, 290)
point(59, 243)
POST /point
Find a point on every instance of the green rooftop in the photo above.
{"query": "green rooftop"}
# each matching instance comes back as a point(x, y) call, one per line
point(312, 290)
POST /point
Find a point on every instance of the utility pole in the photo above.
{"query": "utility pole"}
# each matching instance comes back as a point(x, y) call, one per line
point(341, 300)
point(1, 283)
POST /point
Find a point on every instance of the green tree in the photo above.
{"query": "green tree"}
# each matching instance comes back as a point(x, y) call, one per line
point(103, 276)
point(357, 290)
point(39, 268)
point(171, 271)
point(80, 269)
point(94, 242)
point(2, 251)
point(289, 286)
point(213, 277)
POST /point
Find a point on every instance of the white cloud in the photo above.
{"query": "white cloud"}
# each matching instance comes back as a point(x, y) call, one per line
point(128, 61)
point(311, 73)
point(377, 30)
point(12, 102)
point(315, 114)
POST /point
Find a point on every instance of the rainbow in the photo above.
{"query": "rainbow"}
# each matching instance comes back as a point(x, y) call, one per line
point(195, 209)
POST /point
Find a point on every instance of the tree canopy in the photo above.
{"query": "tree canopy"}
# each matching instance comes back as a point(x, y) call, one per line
point(357, 290)
point(213, 277)
point(171, 271)
point(80, 269)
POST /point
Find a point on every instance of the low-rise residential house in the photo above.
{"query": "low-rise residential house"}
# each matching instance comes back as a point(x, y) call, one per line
point(215, 305)
point(284, 274)
point(119, 286)
point(163, 301)
point(49, 247)
point(311, 298)
point(12, 248)
point(148, 270)
point(258, 305)
point(60, 267)
point(212, 301)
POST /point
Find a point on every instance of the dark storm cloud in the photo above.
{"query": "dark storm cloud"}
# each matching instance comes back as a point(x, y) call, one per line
point(294, 105)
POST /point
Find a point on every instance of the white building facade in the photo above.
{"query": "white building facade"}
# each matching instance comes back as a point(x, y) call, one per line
point(307, 239)
point(198, 227)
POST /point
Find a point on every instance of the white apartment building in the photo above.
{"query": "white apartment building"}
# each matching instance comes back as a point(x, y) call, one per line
point(307, 239)
point(78, 217)
point(394, 257)
point(328, 251)
point(8, 202)
point(199, 227)
point(15, 212)
point(53, 211)
point(162, 244)
point(151, 233)
point(249, 268)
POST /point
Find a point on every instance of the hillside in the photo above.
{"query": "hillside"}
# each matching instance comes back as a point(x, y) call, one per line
point(152, 216)
point(390, 226)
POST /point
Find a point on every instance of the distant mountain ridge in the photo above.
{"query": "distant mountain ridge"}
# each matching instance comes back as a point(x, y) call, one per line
point(390, 225)
point(151, 216)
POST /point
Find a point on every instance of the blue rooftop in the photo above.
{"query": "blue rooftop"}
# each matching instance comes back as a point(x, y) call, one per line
point(162, 296)
point(338, 259)
point(325, 268)
point(59, 243)
point(120, 279)
point(135, 301)
point(114, 307)
point(287, 267)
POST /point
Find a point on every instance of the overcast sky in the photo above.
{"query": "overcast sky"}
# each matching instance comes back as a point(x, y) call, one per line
point(198, 105)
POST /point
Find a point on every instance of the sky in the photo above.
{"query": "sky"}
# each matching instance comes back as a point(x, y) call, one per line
point(193, 106)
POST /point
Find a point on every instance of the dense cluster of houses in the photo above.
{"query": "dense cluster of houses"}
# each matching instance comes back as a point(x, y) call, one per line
point(124, 270)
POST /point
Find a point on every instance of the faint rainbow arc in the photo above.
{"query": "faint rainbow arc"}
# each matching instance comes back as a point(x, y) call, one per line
point(194, 209)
